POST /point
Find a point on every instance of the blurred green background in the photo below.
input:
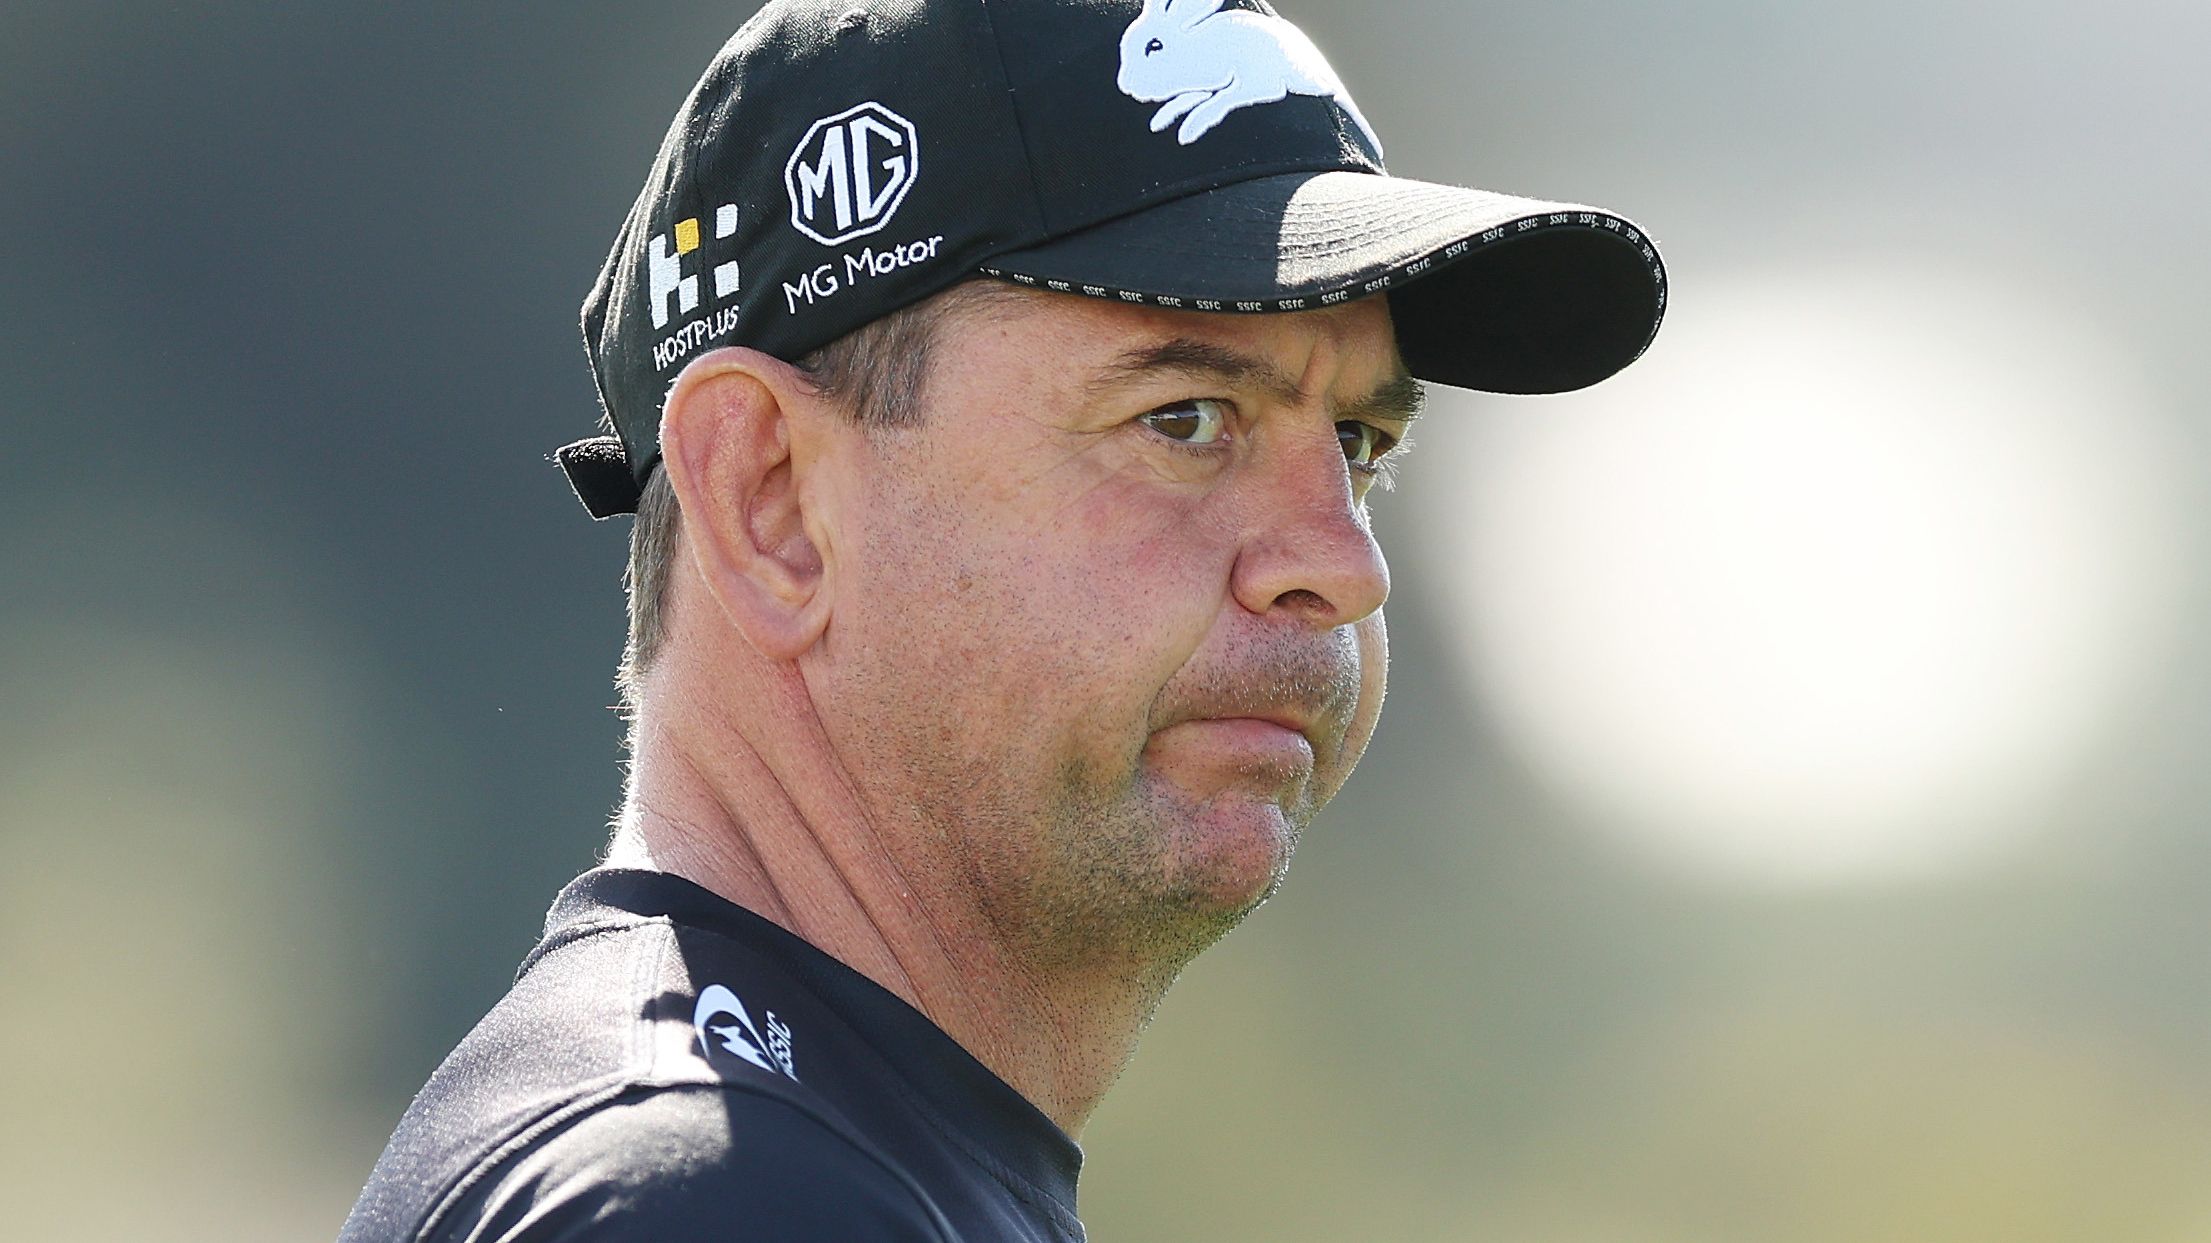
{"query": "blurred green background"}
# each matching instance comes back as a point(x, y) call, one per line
point(1787, 823)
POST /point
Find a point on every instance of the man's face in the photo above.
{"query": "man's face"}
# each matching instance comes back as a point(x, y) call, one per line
point(1106, 630)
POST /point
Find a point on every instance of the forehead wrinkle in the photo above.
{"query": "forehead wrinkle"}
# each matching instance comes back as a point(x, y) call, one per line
point(1189, 356)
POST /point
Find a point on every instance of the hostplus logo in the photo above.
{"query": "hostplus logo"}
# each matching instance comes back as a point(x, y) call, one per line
point(672, 290)
point(850, 172)
point(665, 278)
point(769, 1048)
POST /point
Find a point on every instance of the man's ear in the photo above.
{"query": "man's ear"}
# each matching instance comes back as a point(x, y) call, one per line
point(725, 441)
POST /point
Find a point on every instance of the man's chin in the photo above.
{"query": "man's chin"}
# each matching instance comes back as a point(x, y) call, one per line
point(1159, 873)
point(1230, 854)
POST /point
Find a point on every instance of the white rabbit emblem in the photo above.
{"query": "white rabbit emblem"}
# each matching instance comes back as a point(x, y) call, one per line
point(1203, 64)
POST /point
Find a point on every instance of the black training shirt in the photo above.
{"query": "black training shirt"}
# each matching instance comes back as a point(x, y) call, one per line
point(672, 1067)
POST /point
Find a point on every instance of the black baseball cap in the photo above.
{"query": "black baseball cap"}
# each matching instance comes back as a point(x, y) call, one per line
point(841, 159)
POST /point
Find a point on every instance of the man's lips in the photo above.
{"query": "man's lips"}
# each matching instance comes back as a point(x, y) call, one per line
point(1285, 735)
point(1291, 721)
point(1261, 720)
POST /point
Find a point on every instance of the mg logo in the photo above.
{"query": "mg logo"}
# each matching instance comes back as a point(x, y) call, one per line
point(851, 172)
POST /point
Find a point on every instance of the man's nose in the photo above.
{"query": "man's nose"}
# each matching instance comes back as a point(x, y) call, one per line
point(1309, 549)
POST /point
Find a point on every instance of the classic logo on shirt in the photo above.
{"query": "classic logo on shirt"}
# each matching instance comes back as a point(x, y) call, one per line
point(770, 1052)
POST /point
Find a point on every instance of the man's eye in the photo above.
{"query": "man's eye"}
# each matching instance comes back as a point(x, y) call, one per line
point(1199, 421)
point(1363, 443)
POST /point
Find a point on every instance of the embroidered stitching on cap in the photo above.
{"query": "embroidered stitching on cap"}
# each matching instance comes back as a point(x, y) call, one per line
point(1587, 220)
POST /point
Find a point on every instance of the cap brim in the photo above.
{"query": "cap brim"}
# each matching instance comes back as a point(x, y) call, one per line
point(1488, 291)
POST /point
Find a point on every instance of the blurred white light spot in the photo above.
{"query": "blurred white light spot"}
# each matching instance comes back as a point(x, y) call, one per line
point(1834, 584)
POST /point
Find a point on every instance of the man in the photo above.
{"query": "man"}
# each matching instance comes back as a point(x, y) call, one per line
point(998, 385)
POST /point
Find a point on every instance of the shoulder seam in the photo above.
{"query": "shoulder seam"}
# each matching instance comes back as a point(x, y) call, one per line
point(577, 1108)
point(636, 1068)
point(572, 933)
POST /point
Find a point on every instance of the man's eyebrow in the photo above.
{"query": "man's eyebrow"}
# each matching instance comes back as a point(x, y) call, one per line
point(1399, 398)
point(1201, 358)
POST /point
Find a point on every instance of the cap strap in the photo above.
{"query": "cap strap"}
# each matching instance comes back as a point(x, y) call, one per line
point(599, 471)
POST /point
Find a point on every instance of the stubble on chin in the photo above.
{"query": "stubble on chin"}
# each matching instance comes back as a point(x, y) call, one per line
point(1123, 874)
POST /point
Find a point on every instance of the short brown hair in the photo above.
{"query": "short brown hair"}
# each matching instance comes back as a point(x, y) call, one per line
point(879, 373)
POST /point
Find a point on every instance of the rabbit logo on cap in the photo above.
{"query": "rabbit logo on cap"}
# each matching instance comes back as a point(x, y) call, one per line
point(1202, 64)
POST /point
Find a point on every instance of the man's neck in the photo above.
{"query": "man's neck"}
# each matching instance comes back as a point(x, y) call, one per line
point(788, 837)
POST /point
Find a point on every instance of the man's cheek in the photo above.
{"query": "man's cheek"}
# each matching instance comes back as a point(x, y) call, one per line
point(1374, 663)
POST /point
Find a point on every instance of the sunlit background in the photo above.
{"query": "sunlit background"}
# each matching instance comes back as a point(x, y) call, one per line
point(1787, 823)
